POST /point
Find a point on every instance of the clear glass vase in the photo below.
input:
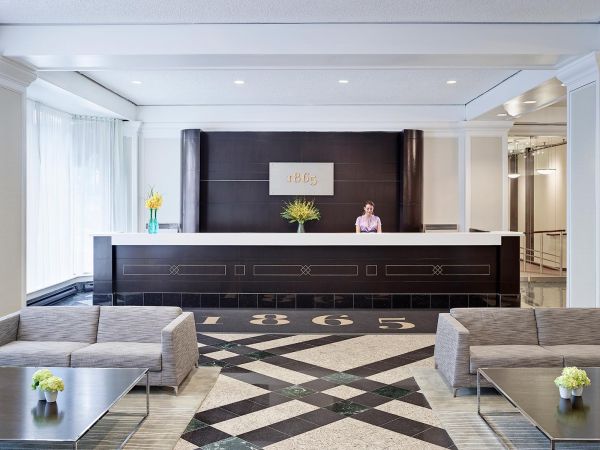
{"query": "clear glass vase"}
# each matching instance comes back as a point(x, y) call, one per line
point(153, 222)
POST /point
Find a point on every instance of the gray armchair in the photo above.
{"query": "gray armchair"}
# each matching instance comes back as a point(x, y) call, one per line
point(162, 339)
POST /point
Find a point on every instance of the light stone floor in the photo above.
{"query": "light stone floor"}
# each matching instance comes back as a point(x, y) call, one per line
point(248, 409)
point(244, 411)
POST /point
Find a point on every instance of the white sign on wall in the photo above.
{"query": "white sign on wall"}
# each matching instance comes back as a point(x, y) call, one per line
point(300, 178)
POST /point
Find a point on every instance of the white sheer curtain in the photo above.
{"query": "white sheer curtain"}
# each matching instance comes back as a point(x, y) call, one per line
point(78, 184)
point(49, 229)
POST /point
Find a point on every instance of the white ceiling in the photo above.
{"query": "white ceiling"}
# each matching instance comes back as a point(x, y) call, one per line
point(549, 93)
point(292, 53)
point(301, 87)
point(297, 11)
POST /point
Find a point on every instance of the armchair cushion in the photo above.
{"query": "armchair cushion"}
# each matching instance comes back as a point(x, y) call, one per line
point(578, 355)
point(134, 323)
point(119, 354)
point(493, 326)
point(512, 356)
point(38, 353)
point(564, 326)
point(59, 323)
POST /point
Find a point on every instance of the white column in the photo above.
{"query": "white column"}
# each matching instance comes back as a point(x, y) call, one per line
point(131, 132)
point(464, 181)
point(483, 176)
point(14, 80)
point(582, 78)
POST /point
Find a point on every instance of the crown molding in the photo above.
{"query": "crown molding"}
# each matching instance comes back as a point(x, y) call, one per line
point(495, 128)
point(538, 130)
point(15, 76)
point(580, 72)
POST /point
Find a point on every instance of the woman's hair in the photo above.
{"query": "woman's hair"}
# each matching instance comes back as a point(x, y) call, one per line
point(369, 202)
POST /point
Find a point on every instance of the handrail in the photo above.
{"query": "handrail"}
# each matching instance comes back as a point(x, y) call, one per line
point(540, 256)
point(547, 231)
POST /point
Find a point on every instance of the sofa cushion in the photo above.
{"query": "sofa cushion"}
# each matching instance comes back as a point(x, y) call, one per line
point(59, 323)
point(578, 355)
point(38, 354)
point(134, 323)
point(512, 356)
point(494, 326)
point(119, 354)
point(563, 326)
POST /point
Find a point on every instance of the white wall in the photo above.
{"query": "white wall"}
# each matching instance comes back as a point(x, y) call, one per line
point(581, 282)
point(159, 167)
point(487, 183)
point(12, 186)
point(440, 190)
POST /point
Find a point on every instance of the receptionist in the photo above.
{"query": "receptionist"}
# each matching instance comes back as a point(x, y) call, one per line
point(368, 222)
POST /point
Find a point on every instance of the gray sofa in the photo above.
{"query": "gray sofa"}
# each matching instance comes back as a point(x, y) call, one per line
point(472, 338)
point(162, 339)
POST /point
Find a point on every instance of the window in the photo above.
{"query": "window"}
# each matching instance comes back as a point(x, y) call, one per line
point(79, 177)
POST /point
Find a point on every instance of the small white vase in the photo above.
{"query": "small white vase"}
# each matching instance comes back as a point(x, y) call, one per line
point(51, 396)
point(577, 392)
point(564, 392)
point(41, 395)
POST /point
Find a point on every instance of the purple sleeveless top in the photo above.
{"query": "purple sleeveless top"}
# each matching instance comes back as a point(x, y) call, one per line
point(368, 225)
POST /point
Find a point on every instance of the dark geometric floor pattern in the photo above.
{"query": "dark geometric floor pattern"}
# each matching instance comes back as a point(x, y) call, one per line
point(312, 408)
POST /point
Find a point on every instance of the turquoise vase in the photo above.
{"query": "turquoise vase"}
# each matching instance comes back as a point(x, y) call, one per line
point(153, 222)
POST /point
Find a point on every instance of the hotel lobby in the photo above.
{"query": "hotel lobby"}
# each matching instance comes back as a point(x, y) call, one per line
point(300, 225)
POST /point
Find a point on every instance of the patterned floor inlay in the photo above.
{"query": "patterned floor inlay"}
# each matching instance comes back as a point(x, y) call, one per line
point(315, 392)
point(291, 321)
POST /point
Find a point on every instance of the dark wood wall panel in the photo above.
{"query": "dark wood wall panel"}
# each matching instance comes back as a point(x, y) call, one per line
point(234, 187)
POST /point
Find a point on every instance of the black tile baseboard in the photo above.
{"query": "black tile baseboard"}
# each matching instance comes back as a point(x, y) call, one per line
point(309, 301)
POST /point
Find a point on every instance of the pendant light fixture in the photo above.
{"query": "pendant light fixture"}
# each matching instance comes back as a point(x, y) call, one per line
point(546, 170)
point(513, 166)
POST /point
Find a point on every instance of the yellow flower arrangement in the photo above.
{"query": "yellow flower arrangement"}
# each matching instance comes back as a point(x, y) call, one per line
point(572, 378)
point(39, 376)
point(154, 200)
point(300, 210)
point(52, 384)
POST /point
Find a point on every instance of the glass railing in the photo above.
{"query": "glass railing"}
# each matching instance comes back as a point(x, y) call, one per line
point(544, 252)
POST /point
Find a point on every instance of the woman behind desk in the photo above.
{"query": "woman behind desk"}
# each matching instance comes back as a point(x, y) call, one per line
point(368, 222)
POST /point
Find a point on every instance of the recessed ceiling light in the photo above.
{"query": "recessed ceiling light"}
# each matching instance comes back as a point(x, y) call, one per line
point(451, 82)
point(239, 82)
point(343, 81)
point(502, 115)
point(530, 102)
point(514, 175)
point(563, 84)
point(136, 82)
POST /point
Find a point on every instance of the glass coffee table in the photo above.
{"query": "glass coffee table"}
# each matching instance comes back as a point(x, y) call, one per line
point(533, 393)
point(88, 396)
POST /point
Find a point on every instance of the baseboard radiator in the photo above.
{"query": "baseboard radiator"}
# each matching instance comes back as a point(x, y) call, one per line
point(53, 297)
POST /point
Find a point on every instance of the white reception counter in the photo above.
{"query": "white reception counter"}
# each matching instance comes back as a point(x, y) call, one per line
point(312, 239)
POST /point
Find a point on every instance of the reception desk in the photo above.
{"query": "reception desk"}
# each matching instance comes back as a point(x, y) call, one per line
point(311, 270)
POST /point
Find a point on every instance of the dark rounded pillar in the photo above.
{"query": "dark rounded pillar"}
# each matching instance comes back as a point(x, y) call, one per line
point(190, 181)
point(410, 168)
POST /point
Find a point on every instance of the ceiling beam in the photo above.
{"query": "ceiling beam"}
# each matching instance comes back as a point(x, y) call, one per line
point(100, 41)
point(74, 84)
point(507, 90)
